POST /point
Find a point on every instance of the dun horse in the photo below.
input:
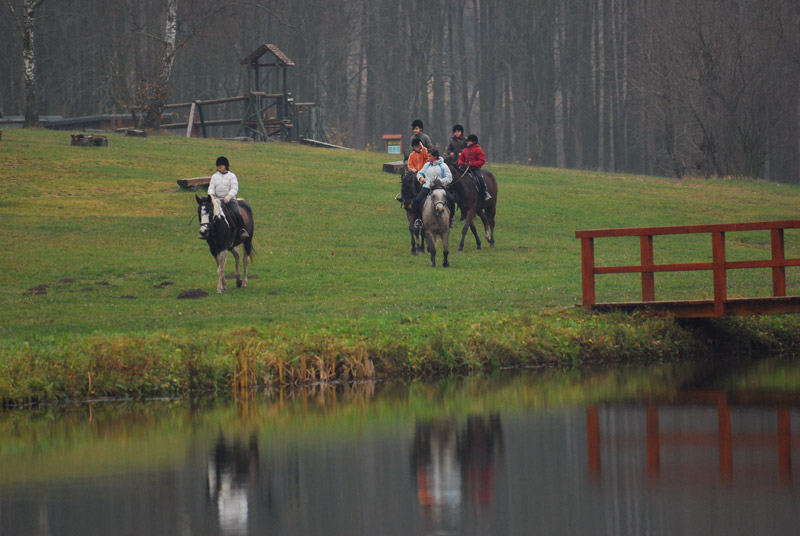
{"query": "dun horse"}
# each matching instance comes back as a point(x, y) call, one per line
point(468, 199)
point(436, 224)
point(408, 191)
point(222, 237)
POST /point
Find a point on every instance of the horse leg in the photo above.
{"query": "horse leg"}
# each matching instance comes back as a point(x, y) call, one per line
point(485, 218)
point(413, 232)
point(446, 247)
point(490, 215)
point(432, 249)
point(221, 256)
point(236, 258)
point(469, 225)
point(245, 262)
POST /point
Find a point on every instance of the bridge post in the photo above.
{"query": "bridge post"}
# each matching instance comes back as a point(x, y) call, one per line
point(784, 443)
point(648, 278)
point(778, 272)
point(720, 275)
point(593, 440)
point(587, 271)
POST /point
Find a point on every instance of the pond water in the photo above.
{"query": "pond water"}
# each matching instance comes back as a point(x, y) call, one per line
point(619, 453)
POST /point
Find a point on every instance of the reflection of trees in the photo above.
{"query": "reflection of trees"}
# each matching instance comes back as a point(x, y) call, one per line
point(232, 468)
point(451, 462)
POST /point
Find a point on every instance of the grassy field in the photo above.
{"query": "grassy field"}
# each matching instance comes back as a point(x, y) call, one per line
point(111, 240)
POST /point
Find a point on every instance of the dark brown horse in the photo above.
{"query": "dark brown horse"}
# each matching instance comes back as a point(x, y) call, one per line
point(470, 203)
point(222, 237)
point(409, 189)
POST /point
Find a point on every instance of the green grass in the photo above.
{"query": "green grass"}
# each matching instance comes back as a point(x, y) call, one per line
point(333, 263)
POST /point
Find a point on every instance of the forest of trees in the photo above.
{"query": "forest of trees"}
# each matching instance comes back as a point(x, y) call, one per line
point(671, 87)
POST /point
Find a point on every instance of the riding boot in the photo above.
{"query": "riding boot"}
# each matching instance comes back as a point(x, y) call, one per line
point(482, 186)
point(237, 216)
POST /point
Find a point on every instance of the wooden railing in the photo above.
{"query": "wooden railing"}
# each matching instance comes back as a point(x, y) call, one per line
point(719, 265)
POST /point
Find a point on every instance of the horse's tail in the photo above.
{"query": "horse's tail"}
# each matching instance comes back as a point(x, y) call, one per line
point(249, 250)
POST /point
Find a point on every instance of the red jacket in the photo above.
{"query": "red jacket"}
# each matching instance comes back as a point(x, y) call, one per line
point(472, 156)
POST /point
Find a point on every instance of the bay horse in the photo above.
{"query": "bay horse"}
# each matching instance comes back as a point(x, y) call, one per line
point(436, 223)
point(469, 201)
point(222, 237)
point(409, 188)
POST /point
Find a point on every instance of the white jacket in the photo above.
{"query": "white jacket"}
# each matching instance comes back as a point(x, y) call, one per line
point(224, 186)
point(435, 170)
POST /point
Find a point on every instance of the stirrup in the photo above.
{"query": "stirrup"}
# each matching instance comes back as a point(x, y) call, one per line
point(487, 196)
point(244, 234)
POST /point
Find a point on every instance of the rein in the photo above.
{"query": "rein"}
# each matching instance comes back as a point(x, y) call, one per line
point(461, 177)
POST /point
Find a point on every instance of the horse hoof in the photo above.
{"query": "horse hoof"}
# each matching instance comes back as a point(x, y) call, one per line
point(238, 283)
point(445, 264)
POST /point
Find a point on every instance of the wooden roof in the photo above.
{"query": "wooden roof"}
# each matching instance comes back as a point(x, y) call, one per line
point(281, 59)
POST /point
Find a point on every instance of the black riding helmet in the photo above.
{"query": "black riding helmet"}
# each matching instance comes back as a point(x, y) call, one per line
point(222, 161)
point(473, 138)
point(458, 128)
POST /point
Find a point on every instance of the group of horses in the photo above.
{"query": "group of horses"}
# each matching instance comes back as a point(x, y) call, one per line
point(217, 228)
point(435, 214)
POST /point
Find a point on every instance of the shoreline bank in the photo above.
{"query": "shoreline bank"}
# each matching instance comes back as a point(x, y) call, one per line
point(179, 364)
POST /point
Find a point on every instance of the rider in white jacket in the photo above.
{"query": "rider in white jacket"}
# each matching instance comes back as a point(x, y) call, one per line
point(224, 185)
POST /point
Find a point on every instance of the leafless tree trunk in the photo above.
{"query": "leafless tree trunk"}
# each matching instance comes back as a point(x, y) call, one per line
point(154, 94)
point(25, 16)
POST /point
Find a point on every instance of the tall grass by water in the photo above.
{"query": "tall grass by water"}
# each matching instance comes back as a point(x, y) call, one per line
point(99, 242)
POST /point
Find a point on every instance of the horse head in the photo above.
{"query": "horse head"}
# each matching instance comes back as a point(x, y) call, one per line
point(438, 198)
point(205, 214)
point(409, 183)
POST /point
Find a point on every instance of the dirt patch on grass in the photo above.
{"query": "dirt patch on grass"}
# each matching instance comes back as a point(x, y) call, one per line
point(192, 294)
point(163, 284)
point(36, 291)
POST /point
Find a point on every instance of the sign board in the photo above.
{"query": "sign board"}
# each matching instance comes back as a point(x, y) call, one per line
point(393, 143)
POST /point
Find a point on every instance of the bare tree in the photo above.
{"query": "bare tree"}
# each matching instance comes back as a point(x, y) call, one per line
point(25, 15)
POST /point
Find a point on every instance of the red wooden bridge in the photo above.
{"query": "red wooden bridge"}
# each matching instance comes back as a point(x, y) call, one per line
point(721, 305)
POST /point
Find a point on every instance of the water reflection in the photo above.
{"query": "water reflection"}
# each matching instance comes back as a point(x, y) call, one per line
point(609, 454)
point(232, 469)
point(453, 461)
point(710, 425)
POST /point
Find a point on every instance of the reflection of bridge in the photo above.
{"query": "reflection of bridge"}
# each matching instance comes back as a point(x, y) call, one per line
point(721, 305)
point(691, 445)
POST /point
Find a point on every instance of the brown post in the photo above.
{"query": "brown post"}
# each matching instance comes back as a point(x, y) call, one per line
point(720, 276)
point(653, 443)
point(648, 278)
point(784, 444)
point(593, 439)
point(587, 270)
point(724, 436)
point(778, 272)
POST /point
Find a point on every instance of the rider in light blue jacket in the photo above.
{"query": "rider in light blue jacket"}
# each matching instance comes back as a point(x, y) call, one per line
point(434, 170)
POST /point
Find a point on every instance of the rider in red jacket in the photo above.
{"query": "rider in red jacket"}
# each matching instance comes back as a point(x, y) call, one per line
point(473, 158)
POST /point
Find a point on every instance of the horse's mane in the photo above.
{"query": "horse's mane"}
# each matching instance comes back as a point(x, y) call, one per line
point(408, 187)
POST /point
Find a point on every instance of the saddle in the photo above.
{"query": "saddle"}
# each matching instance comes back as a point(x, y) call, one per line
point(475, 182)
point(222, 210)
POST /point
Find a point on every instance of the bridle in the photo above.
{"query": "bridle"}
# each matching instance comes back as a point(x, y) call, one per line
point(206, 220)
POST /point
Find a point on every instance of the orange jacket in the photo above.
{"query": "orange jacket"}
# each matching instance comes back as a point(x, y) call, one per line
point(417, 160)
